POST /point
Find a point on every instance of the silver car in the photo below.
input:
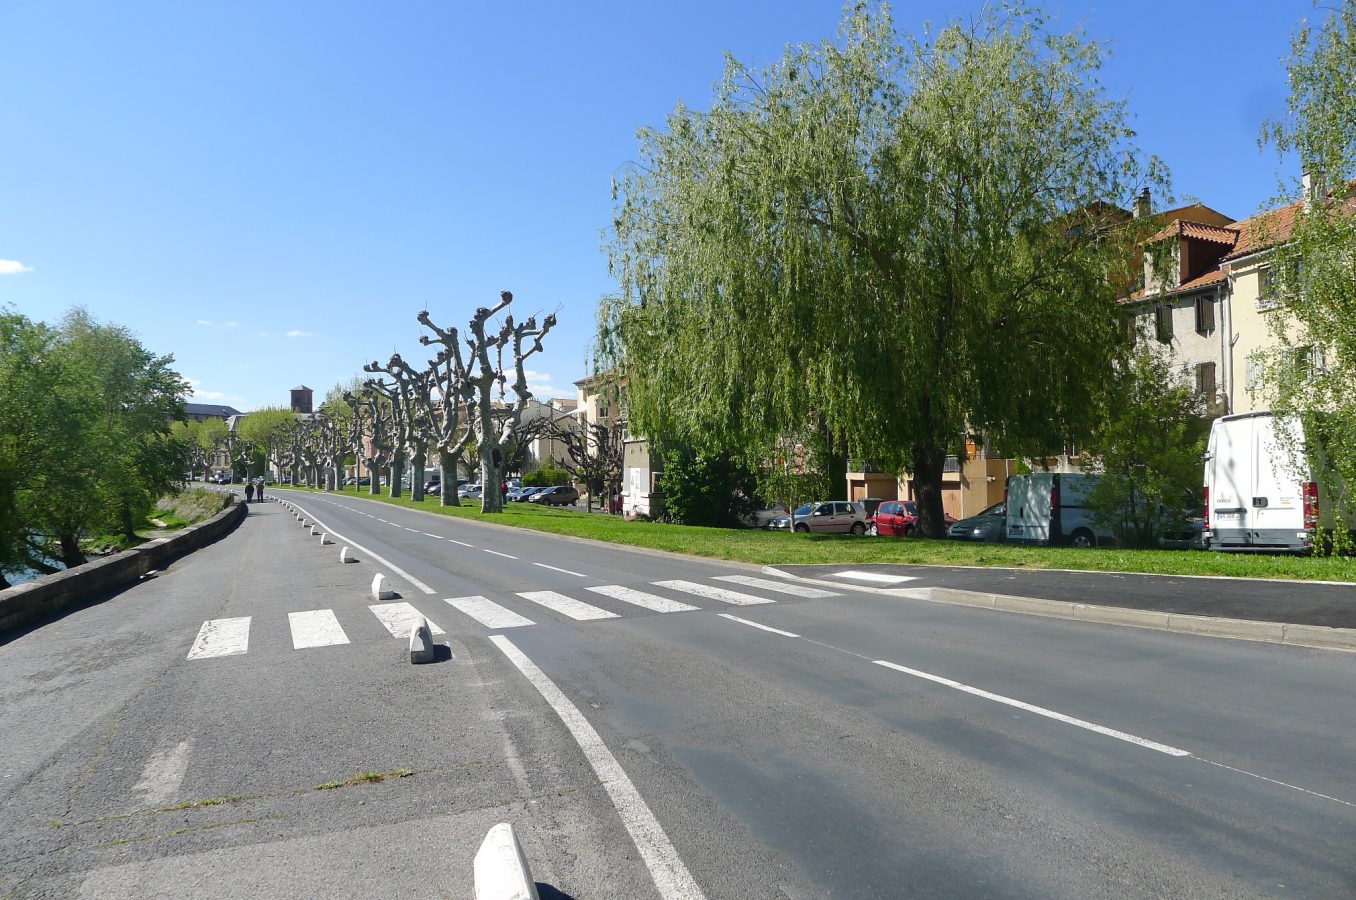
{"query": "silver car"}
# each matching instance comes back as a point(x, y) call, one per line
point(827, 517)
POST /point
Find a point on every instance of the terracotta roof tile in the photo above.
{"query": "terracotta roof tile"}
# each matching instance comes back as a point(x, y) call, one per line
point(1214, 276)
point(1198, 230)
point(1264, 230)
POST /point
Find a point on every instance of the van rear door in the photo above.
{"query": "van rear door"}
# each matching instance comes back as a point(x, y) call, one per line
point(1231, 463)
point(1276, 500)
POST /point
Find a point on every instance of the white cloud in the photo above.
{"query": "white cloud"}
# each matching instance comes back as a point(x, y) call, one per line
point(197, 393)
point(539, 383)
point(227, 324)
point(13, 267)
point(296, 332)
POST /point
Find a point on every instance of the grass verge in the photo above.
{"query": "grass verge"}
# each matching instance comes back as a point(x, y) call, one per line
point(777, 548)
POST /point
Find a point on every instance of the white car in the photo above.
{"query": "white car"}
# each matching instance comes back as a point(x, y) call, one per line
point(760, 518)
point(469, 492)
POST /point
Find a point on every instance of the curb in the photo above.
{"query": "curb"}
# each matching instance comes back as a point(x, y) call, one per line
point(1318, 637)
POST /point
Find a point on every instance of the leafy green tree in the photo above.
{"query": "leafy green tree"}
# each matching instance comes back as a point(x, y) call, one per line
point(1313, 371)
point(267, 431)
point(702, 488)
point(546, 476)
point(1149, 445)
point(892, 241)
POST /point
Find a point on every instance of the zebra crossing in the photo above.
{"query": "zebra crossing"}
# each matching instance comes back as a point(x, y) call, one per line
point(318, 628)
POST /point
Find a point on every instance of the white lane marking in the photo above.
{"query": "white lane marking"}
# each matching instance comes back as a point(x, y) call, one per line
point(163, 774)
point(462, 543)
point(222, 637)
point(497, 553)
point(796, 590)
point(876, 576)
point(1038, 710)
point(1293, 787)
point(712, 593)
point(489, 613)
point(315, 628)
point(756, 625)
point(383, 520)
point(566, 606)
point(671, 877)
point(434, 536)
point(640, 598)
point(392, 566)
point(557, 569)
point(400, 618)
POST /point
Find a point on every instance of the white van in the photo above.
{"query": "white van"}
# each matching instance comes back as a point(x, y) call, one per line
point(1260, 492)
point(1047, 508)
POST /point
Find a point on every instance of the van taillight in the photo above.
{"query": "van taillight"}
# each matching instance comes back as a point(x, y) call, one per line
point(1311, 504)
point(1054, 496)
point(1205, 501)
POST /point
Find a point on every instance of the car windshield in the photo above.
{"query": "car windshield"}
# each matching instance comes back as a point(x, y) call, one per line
point(805, 510)
point(998, 509)
point(910, 509)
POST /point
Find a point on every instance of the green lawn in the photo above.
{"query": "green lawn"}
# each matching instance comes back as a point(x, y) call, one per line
point(776, 548)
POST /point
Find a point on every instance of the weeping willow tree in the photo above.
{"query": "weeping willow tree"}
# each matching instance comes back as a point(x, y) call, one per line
point(890, 242)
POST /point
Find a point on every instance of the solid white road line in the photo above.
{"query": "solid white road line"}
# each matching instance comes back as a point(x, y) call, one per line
point(879, 577)
point(315, 628)
point(462, 543)
point(671, 877)
point(222, 637)
point(1038, 710)
point(163, 774)
point(497, 553)
point(555, 569)
point(712, 593)
point(781, 587)
point(390, 565)
point(567, 606)
point(400, 618)
point(640, 598)
point(489, 613)
point(756, 625)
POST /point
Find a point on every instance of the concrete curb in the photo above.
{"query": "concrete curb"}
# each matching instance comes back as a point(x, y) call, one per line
point(501, 870)
point(1317, 637)
point(36, 599)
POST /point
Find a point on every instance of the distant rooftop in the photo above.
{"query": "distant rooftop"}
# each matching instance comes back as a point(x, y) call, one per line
point(210, 409)
point(301, 387)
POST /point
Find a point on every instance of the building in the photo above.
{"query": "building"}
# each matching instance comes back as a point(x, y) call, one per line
point(201, 412)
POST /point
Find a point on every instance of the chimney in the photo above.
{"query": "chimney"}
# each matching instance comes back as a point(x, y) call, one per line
point(1142, 205)
point(1313, 183)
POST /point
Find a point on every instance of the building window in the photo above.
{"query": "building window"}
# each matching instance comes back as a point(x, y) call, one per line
point(1205, 381)
point(1205, 314)
point(1253, 372)
point(1266, 289)
point(604, 408)
point(1163, 322)
point(1308, 361)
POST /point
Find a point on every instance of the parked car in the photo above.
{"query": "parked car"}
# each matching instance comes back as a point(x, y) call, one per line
point(827, 517)
point(990, 525)
point(899, 518)
point(560, 495)
point(1047, 508)
point(468, 492)
point(526, 494)
point(760, 518)
point(434, 488)
point(1189, 536)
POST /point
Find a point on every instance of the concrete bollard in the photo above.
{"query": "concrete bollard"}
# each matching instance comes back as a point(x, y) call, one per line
point(501, 870)
point(346, 556)
point(325, 539)
point(379, 589)
point(421, 643)
point(315, 529)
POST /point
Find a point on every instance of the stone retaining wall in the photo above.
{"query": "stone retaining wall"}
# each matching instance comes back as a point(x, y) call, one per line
point(24, 603)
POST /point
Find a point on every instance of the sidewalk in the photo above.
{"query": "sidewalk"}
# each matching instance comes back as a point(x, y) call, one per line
point(1285, 602)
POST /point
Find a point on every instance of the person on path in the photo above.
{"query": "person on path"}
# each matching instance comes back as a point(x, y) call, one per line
point(503, 492)
point(259, 490)
point(249, 491)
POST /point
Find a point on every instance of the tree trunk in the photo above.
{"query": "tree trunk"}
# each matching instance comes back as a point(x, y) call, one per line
point(128, 526)
point(491, 500)
point(70, 551)
point(397, 471)
point(417, 474)
point(928, 463)
point(448, 467)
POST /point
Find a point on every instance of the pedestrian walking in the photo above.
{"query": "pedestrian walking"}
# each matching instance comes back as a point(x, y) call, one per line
point(259, 490)
point(503, 492)
point(249, 491)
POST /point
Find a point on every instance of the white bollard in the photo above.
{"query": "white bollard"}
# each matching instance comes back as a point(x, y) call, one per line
point(315, 529)
point(325, 539)
point(421, 643)
point(346, 556)
point(501, 870)
point(379, 589)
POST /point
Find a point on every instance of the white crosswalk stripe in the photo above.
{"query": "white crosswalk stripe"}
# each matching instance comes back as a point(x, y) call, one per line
point(640, 598)
point(315, 628)
point(489, 613)
point(713, 593)
point(222, 637)
point(796, 590)
point(566, 606)
point(401, 618)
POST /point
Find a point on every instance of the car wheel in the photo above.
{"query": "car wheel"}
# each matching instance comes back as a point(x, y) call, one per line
point(803, 528)
point(1083, 538)
point(858, 529)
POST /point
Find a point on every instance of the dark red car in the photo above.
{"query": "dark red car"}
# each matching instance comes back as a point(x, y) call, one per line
point(899, 518)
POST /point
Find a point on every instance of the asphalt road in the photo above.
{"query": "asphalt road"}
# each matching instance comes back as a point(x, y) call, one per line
point(854, 745)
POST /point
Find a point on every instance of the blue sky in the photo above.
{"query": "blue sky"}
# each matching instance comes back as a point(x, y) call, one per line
point(271, 191)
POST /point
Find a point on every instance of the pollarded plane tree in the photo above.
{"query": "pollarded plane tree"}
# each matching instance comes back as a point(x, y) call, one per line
point(414, 389)
point(394, 437)
point(494, 428)
point(451, 430)
point(593, 453)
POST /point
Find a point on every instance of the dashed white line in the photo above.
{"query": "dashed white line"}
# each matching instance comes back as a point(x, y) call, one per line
point(790, 634)
point(497, 553)
point(460, 543)
point(671, 877)
point(385, 562)
point(1038, 710)
point(875, 576)
point(557, 569)
point(434, 536)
